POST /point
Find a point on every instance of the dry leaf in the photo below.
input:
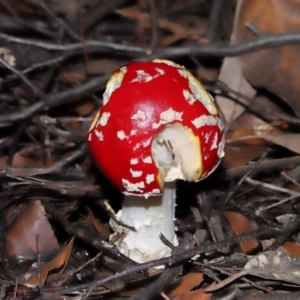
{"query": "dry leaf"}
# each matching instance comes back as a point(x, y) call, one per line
point(276, 69)
point(246, 139)
point(260, 132)
point(272, 265)
point(99, 226)
point(290, 141)
point(72, 77)
point(239, 225)
point(20, 161)
point(239, 156)
point(195, 295)
point(84, 109)
point(58, 263)
point(181, 29)
point(102, 66)
point(292, 248)
point(231, 75)
point(242, 146)
point(30, 228)
point(187, 283)
point(75, 73)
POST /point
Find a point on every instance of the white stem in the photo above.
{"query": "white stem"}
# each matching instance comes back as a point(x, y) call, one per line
point(176, 153)
point(150, 218)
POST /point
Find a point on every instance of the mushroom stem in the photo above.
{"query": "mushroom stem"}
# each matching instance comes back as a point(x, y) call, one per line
point(149, 218)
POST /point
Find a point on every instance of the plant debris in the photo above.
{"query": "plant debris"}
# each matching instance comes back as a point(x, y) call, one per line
point(238, 230)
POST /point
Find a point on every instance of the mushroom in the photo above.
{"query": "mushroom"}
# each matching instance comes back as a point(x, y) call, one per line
point(157, 124)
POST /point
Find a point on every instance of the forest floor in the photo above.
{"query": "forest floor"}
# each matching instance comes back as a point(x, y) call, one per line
point(241, 223)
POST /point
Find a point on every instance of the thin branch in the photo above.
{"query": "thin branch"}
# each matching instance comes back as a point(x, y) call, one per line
point(42, 64)
point(154, 27)
point(261, 108)
point(187, 254)
point(249, 171)
point(274, 164)
point(97, 12)
point(213, 50)
point(70, 32)
point(225, 50)
point(90, 44)
point(53, 100)
point(24, 79)
point(214, 19)
point(54, 169)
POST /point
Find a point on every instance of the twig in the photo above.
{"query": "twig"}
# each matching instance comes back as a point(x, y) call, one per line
point(225, 50)
point(254, 105)
point(252, 101)
point(71, 273)
point(271, 187)
point(17, 19)
point(286, 176)
point(96, 13)
point(278, 203)
point(53, 169)
point(54, 100)
point(45, 63)
point(223, 271)
point(253, 29)
point(85, 233)
point(154, 27)
point(274, 164)
point(214, 19)
point(24, 79)
point(70, 32)
point(90, 44)
point(15, 140)
point(39, 281)
point(292, 227)
point(211, 50)
point(187, 254)
point(253, 167)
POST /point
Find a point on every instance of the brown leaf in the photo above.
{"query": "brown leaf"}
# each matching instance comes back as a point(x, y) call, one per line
point(30, 228)
point(84, 109)
point(241, 155)
point(245, 141)
point(276, 69)
point(290, 141)
point(239, 225)
point(99, 226)
point(20, 160)
point(179, 29)
point(58, 263)
point(195, 295)
point(72, 77)
point(187, 283)
point(292, 248)
point(75, 73)
point(250, 130)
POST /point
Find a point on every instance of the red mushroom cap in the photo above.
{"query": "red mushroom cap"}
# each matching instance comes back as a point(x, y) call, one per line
point(140, 101)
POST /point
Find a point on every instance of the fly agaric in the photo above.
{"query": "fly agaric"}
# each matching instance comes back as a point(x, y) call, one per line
point(157, 124)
